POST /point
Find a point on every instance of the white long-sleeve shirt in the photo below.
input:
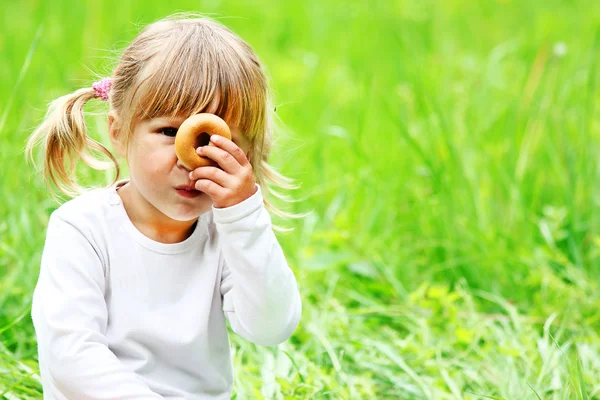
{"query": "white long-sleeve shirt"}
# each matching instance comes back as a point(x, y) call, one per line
point(118, 315)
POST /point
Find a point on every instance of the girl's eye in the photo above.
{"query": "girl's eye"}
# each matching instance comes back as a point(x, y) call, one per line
point(170, 132)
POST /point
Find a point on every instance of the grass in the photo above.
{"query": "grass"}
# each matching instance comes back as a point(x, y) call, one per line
point(448, 152)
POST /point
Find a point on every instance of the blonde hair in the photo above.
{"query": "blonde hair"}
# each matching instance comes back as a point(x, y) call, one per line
point(176, 66)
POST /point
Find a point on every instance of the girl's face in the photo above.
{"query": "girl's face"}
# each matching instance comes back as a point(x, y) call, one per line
point(155, 172)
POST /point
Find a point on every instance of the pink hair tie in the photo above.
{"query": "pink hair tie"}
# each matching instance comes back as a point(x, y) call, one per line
point(102, 88)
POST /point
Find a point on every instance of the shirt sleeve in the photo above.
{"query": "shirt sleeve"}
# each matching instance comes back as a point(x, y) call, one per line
point(70, 318)
point(260, 293)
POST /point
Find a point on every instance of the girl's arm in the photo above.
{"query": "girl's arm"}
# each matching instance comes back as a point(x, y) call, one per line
point(260, 293)
point(70, 316)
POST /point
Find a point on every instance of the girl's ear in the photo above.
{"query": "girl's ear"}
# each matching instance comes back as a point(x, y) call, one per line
point(114, 125)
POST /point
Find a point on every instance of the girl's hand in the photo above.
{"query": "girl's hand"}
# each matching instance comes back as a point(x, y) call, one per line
point(233, 183)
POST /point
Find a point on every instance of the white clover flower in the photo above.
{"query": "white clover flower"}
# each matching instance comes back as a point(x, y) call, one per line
point(560, 49)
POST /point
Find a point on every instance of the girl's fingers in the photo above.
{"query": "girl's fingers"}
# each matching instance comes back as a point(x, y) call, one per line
point(214, 190)
point(231, 148)
point(214, 174)
point(223, 158)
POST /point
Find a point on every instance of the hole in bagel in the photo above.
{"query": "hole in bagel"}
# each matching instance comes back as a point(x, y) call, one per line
point(202, 139)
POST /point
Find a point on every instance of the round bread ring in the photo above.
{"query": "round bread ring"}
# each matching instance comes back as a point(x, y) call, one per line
point(190, 129)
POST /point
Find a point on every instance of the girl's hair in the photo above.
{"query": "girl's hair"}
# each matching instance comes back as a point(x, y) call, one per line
point(176, 66)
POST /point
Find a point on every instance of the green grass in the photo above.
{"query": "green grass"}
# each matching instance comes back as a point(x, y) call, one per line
point(449, 152)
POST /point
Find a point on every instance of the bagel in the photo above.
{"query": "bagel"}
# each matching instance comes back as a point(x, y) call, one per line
point(188, 132)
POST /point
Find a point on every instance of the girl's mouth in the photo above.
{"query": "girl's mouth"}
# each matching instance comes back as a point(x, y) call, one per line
point(190, 194)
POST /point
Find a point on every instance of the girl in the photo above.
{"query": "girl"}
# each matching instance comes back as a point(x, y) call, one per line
point(137, 279)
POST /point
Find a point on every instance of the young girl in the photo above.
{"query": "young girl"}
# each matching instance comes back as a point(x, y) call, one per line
point(137, 278)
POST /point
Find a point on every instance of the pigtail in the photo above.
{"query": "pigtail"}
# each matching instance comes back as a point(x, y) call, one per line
point(269, 179)
point(64, 134)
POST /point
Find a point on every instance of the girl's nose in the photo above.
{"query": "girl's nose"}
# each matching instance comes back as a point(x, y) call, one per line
point(180, 165)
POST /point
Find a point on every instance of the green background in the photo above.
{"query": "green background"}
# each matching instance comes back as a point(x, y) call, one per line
point(448, 155)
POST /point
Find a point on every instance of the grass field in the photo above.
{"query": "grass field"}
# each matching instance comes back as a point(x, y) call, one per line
point(448, 152)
